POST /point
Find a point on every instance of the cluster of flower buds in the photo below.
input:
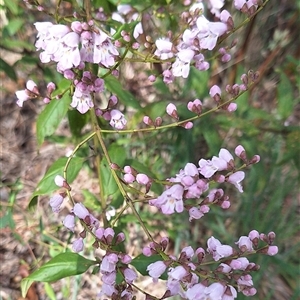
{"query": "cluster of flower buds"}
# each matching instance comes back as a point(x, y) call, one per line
point(248, 7)
point(184, 273)
point(31, 92)
point(192, 182)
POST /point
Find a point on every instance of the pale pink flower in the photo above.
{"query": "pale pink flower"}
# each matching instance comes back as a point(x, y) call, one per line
point(239, 4)
point(78, 245)
point(104, 50)
point(218, 250)
point(168, 76)
point(130, 275)
point(190, 170)
point(240, 263)
point(215, 291)
point(245, 243)
point(30, 92)
point(188, 252)
point(207, 168)
point(109, 278)
point(163, 49)
point(68, 55)
point(245, 280)
point(69, 222)
point(236, 179)
point(209, 32)
point(56, 202)
point(230, 293)
point(108, 263)
point(215, 6)
point(156, 269)
point(80, 211)
point(117, 120)
point(195, 213)
point(138, 30)
point(170, 200)
point(196, 292)
point(181, 66)
point(82, 101)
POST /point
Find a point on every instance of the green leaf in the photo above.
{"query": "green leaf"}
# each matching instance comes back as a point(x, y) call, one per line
point(16, 44)
point(114, 86)
point(128, 27)
point(141, 262)
point(117, 155)
point(63, 265)
point(47, 185)
point(285, 97)
point(14, 25)
point(12, 5)
point(77, 122)
point(51, 116)
point(8, 70)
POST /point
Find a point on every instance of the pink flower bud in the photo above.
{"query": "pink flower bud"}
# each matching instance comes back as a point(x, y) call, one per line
point(187, 125)
point(272, 250)
point(255, 159)
point(80, 211)
point(46, 100)
point(147, 120)
point(60, 181)
point(129, 178)
point(152, 78)
point(232, 107)
point(99, 233)
point(120, 238)
point(142, 179)
point(172, 111)
point(215, 91)
point(158, 121)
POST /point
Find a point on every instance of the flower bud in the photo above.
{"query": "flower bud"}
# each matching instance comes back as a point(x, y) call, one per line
point(147, 120)
point(172, 111)
point(240, 152)
point(142, 179)
point(158, 121)
point(61, 182)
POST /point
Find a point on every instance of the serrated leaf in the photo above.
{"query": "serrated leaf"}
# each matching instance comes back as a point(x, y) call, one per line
point(47, 185)
point(51, 116)
point(63, 265)
point(114, 86)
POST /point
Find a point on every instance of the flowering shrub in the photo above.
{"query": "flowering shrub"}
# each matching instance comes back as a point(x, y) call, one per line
point(88, 50)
